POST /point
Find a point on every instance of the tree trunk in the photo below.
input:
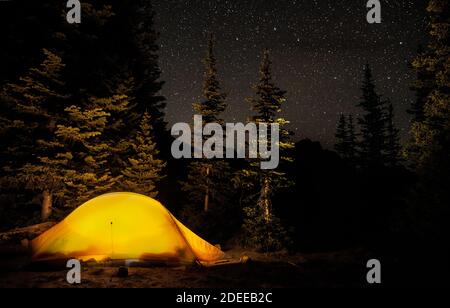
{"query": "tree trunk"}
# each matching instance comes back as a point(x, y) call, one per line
point(206, 205)
point(266, 200)
point(46, 208)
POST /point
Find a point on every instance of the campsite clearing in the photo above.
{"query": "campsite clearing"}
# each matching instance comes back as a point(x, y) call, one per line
point(335, 269)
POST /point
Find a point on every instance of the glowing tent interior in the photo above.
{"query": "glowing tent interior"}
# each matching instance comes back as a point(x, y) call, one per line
point(123, 226)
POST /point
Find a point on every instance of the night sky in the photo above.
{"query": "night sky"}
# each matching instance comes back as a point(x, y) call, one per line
point(318, 49)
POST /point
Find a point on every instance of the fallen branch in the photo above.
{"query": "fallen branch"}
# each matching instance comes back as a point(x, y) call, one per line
point(16, 236)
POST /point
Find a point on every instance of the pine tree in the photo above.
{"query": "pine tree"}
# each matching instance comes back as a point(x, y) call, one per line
point(263, 228)
point(145, 65)
point(428, 149)
point(109, 65)
point(120, 115)
point(81, 156)
point(430, 135)
point(208, 186)
point(35, 102)
point(346, 142)
point(210, 109)
point(372, 123)
point(213, 104)
point(143, 170)
point(123, 83)
point(393, 147)
point(342, 137)
point(82, 151)
point(351, 140)
point(132, 73)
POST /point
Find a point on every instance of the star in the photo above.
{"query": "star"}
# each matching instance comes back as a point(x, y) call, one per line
point(318, 49)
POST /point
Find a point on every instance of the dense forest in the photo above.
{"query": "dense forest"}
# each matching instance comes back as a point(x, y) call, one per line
point(81, 115)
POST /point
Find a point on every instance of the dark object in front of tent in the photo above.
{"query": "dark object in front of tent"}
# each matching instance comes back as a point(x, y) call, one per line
point(122, 272)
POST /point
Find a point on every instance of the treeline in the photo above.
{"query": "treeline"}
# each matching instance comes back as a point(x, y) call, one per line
point(401, 193)
point(377, 142)
point(80, 111)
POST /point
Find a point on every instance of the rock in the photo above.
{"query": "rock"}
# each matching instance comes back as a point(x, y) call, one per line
point(122, 272)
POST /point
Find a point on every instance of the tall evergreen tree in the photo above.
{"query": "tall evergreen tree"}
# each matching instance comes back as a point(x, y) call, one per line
point(393, 147)
point(213, 105)
point(263, 228)
point(75, 166)
point(428, 149)
point(430, 135)
point(81, 156)
point(31, 106)
point(346, 143)
point(133, 23)
point(144, 168)
point(208, 186)
point(146, 67)
point(91, 49)
point(118, 108)
point(352, 140)
point(35, 104)
point(372, 123)
point(341, 137)
point(123, 83)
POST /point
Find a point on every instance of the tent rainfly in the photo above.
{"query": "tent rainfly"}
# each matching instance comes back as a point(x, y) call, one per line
point(123, 226)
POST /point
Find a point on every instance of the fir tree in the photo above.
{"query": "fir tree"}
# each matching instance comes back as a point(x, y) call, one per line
point(342, 137)
point(36, 102)
point(346, 143)
point(351, 140)
point(145, 65)
point(82, 151)
point(33, 104)
point(109, 65)
point(393, 147)
point(430, 133)
point(372, 123)
point(120, 115)
point(81, 156)
point(208, 186)
point(346, 139)
point(210, 109)
point(143, 170)
point(213, 104)
point(123, 83)
point(262, 227)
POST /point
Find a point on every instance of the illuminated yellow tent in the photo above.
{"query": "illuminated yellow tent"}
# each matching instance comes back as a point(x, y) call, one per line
point(123, 226)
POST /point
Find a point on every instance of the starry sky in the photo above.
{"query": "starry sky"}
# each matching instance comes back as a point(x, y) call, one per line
point(318, 48)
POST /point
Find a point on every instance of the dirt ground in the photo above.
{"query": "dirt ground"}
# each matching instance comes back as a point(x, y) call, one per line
point(331, 269)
